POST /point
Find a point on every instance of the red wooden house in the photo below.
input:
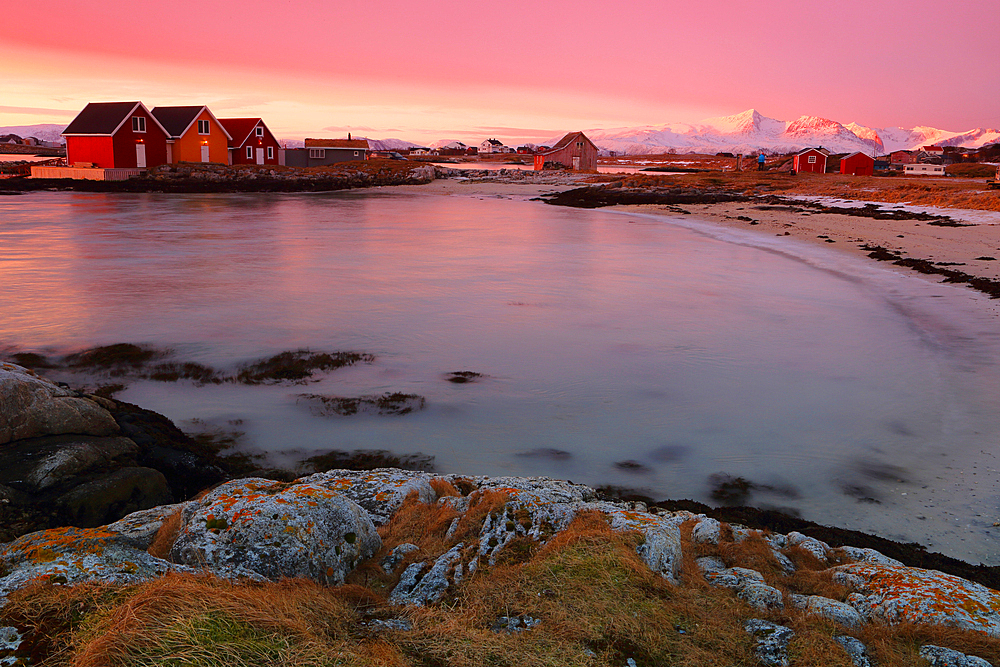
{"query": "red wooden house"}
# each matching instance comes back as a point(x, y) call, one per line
point(811, 160)
point(857, 164)
point(251, 142)
point(574, 151)
point(116, 135)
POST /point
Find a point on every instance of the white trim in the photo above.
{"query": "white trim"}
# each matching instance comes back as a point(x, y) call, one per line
point(208, 127)
point(270, 152)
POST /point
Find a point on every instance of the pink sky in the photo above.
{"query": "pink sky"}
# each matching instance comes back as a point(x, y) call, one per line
point(518, 70)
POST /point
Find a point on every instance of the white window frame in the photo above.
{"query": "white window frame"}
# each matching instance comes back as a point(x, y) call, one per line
point(811, 159)
point(203, 124)
point(270, 152)
point(249, 152)
point(317, 153)
point(259, 131)
point(139, 124)
point(356, 153)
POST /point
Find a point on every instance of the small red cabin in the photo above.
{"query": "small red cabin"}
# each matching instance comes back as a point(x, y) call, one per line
point(574, 151)
point(251, 142)
point(811, 160)
point(857, 164)
point(116, 135)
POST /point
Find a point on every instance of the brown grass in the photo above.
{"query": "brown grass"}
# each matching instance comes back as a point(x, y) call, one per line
point(166, 536)
point(443, 487)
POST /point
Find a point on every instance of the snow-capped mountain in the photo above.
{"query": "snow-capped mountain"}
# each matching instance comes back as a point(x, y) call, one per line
point(750, 131)
point(390, 144)
point(45, 131)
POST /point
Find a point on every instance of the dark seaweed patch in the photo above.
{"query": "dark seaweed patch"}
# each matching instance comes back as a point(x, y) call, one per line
point(546, 453)
point(368, 459)
point(117, 356)
point(632, 466)
point(31, 360)
point(395, 403)
point(461, 377)
point(297, 366)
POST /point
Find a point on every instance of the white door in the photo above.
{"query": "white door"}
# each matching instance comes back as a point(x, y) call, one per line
point(576, 163)
point(170, 154)
point(204, 153)
point(260, 156)
point(140, 155)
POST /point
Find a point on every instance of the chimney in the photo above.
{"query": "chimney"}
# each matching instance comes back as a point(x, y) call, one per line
point(348, 136)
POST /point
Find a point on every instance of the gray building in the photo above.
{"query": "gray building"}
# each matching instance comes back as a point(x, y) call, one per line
point(320, 152)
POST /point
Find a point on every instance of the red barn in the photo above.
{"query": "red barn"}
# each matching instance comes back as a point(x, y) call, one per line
point(574, 151)
point(116, 135)
point(251, 143)
point(812, 160)
point(857, 164)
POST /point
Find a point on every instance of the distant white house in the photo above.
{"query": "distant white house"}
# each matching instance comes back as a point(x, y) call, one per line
point(493, 146)
point(924, 169)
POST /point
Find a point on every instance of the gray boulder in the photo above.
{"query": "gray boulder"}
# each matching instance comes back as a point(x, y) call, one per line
point(772, 641)
point(838, 612)
point(31, 406)
point(120, 493)
point(274, 530)
point(419, 588)
point(380, 492)
point(938, 656)
point(855, 649)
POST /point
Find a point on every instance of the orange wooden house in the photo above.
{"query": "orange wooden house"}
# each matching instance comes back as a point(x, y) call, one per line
point(196, 135)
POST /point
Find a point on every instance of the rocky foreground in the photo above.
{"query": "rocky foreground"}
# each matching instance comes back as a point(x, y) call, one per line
point(399, 567)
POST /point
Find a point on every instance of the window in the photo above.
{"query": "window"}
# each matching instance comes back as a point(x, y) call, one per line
point(270, 152)
point(812, 159)
point(202, 127)
point(319, 153)
point(355, 153)
point(138, 124)
point(260, 131)
point(249, 152)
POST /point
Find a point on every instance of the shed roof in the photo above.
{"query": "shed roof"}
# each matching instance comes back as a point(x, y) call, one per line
point(846, 157)
point(567, 140)
point(356, 144)
point(104, 118)
point(177, 120)
point(239, 129)
point(823, 151)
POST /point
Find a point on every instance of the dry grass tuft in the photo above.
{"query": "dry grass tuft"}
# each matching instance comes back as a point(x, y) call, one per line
point(166, 536)
point(443, 487)
point(754, 553)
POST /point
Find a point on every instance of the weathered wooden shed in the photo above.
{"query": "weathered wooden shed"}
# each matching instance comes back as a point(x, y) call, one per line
point(810, 160)
point(251, 141)
point(574, 151)
point(857, 164)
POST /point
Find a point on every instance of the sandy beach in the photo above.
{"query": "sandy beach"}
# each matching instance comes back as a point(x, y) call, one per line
point(968, 248)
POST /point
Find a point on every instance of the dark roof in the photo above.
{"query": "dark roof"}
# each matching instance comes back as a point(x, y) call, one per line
point(239, 129)
point(176, 119)
point(567, 140)
point(101, 118)
point(337, 143)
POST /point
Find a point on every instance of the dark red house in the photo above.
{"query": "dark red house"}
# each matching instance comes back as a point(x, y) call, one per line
point(116, 135)
point(810, 160)
point(574, 151)
point(251, 142)
point(857, 164)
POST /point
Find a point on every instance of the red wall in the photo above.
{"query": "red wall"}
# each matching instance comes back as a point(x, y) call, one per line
point(90, 149)
point(239, 153)
point(857, 165)
point(802, 163)
point(153, 137)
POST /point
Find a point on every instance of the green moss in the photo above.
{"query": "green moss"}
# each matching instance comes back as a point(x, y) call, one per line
point(350, 538)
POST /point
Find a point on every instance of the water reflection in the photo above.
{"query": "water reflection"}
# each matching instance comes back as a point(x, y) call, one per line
point(613, 349)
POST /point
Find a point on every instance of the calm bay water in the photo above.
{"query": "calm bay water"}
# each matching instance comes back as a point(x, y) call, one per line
point(850, 393)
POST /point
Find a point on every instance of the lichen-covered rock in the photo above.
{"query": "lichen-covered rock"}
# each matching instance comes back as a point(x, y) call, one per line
point(140, 528)
point(869, 556)
point(710, 564)
point(395, 557)
point(10, 640)
point(817, 548)
point(543, 489)
point(275, 530)
point(855, 649)
point(706, 531)
point(380, 492)
point(77, 555)
point(760, 596)
point(514, 624)
point(897, 594)
point(419, 588)
point(772, 641)
point(938, 656)
point(31, 406)
point(838, 612)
